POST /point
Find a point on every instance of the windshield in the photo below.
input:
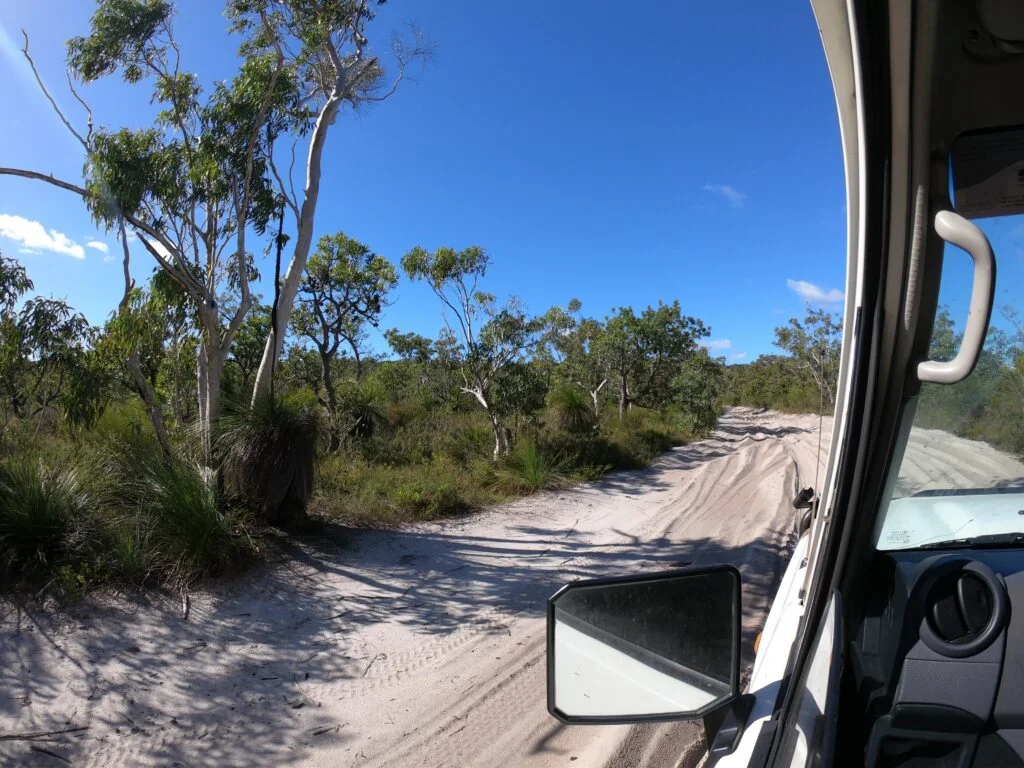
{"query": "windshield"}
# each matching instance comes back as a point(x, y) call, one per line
point(961, 474)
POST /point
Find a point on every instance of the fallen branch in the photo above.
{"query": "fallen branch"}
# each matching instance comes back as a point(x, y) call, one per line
point(40, 734)
point(373, 661)
point(54, 755)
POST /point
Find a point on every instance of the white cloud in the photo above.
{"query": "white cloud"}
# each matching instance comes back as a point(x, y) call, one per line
point(715, 345)
point(33, 236)
point(109, 258)
point(814, 294)
point(101, 247)
point(730, 193)
point(736, 357)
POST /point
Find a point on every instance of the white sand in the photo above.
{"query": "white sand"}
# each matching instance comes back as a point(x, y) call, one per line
point(418, 647)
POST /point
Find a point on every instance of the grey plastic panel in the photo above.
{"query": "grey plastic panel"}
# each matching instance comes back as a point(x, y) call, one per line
point(970, 686)
point(1009, 708)
point(1015, 738)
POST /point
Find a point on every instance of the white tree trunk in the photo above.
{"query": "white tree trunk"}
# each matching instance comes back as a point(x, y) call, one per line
point(500, 438)
point(303, 241)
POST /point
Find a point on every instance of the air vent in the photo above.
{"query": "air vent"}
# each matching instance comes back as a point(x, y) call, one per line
point(960, 607)
point(965, 608)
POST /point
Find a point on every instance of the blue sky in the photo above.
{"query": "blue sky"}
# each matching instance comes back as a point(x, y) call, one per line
point(689, 151)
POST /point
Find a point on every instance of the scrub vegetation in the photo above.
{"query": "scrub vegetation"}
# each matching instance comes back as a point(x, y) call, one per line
point(159, 446)
point(988, 405)
point(102, 479)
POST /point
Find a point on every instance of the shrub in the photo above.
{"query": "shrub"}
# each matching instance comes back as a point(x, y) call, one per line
point(268, 457)
point(361, 492)
point(189, 533)
point(528, 469)
point(571, 409)
point(362, 408)
point(163, 513)
point(42, 516)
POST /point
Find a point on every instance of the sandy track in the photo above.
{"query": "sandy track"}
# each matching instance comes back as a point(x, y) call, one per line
point(423, 646)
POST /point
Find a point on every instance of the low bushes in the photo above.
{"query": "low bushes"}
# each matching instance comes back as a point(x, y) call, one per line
point(107, 505)
point(115, 510)
point(426, 465)
point(43, 517)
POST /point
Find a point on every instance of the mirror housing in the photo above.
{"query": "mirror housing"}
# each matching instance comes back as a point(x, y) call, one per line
point(648, 648)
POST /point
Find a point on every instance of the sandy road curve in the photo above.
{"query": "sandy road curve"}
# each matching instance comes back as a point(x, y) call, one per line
point(421, 647)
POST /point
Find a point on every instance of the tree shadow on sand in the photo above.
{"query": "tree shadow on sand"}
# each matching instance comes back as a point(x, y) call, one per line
point(236, 684)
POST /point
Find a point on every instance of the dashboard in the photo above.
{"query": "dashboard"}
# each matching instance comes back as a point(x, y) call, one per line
point(936, 666)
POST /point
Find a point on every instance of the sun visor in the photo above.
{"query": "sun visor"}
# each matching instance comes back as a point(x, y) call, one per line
point(988, 173)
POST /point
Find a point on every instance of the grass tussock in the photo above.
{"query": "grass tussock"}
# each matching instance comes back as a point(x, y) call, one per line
point(108, 506)
point(268, 456)
point(43, 517)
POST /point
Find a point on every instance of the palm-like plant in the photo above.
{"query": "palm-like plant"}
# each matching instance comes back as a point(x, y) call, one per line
point(267, 456)
point(528, 469)
point(572, 409)
point(363, 408)
point(167, 517)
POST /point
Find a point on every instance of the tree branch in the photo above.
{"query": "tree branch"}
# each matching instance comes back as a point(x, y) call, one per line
point(49, 98)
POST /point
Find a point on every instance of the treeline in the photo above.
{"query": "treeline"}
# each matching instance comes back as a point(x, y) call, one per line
point(106, 471)
point(989, 404)
point(156, 446)
point(986, 406)
point(801, 381)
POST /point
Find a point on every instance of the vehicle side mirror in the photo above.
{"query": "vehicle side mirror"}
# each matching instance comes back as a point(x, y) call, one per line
point(632, 649)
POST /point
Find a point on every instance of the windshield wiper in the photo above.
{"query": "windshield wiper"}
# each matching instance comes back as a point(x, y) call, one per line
point(994, 540)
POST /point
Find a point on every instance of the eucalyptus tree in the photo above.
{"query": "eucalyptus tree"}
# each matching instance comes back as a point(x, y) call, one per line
point(585, 359)
point(204, 178)
point(645, 352)
point(325, 46)
point(484, 342)
point(815, 342)
point(344, 290)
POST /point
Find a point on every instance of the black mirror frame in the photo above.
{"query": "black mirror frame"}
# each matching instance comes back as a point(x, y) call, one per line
point(737, 612)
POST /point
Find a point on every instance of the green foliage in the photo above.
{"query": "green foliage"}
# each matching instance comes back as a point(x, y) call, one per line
point(41, 516)
point(697, 389)
point(361, 492)
point(361, 406)
point(989, 404)
point(14, 283)
point(530, 470)
point(410, 346)
point(42, 347)
point(268, 456)
point(815, 344)
point(645, 351)
point(771, 381)
point(343, 291)
point(161, 515)
point(189, 530)
point(572, 409)
point(247, 349)
point(122, 37)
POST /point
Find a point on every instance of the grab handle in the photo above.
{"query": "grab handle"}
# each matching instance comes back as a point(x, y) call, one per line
point(958, 231)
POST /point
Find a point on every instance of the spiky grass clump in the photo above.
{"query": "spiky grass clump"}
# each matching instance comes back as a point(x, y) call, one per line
point(165, 519)
point(529, 470)
point(572, 409)
point(362, 408)
point(43, 516)
point(268, 457)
